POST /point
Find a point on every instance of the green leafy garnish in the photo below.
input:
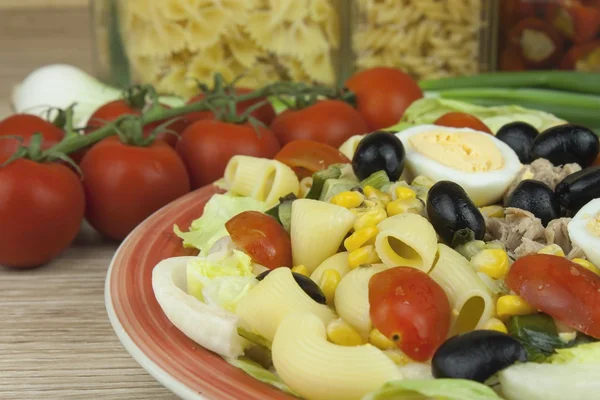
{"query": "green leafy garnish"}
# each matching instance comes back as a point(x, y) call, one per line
point(433, 389)
point(258, 372)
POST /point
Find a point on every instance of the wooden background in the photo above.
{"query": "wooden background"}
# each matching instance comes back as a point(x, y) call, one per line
point(55, 338)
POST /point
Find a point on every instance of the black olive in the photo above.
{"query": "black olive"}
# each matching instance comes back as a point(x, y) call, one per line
point(476, 355)
point(450, 210)
point(566, 144)
point(379, 151)
point(537, 198)
point(577, 189)
point(520, 137)
point(306, 284)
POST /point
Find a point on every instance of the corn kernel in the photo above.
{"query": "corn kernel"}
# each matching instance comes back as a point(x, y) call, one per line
point(552, 249)
point(376, 194)
point(587, 265)
point(341, 333)
point(301, 269)
point(348, 199)
point(329, 282)
point(369, 218)
point(396, 207)
point(379, 340)
point(492, 262)
point(360, 238)
point(364, 255)
point(405, 193)
point(397, 356)
point(510, 305)
point(492, 211)
point(494, 324)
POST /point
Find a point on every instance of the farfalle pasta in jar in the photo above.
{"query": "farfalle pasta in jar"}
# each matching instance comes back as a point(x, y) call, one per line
point(176, 44)
point(426, 38)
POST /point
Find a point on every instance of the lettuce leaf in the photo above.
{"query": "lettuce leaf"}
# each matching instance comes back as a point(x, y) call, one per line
point(588, 353)
point(258, 372)
point(433, 389)
point(210, 227)
point(427, 110)
point(221, 281)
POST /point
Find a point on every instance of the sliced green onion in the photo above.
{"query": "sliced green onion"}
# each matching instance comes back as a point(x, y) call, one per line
point(377, 180)
point(319, 178)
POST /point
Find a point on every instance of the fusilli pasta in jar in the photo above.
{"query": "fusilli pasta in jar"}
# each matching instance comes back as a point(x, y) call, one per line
point(426, 38)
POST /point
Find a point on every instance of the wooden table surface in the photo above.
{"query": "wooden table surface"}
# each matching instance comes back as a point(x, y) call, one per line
point(55, 338)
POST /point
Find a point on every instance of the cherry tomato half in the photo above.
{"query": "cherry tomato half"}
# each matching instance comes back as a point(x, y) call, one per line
point(383, 94)
point(265, 113)
point(329, 121)
point(560, 288)
point(411, 309)
point(125, 184)
point(262, 237)
point(306, 157)
point(207, 145)
point(41, 210)
point(462, 120)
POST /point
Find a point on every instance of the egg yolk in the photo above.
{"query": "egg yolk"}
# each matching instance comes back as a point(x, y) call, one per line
point(464, 151)
point(593, 226)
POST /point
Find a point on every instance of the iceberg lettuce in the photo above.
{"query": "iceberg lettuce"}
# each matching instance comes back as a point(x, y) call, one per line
point(433, 389)
point(210, 227)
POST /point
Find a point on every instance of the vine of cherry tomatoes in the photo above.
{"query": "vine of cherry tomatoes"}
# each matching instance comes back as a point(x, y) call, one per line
point(117, 182)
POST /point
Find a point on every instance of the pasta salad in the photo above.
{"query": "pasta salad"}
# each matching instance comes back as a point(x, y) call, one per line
point(439, 263)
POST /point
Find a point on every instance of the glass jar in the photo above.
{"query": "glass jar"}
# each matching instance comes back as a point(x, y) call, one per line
point(425, 38)
point(549, 34)
point(176, 44)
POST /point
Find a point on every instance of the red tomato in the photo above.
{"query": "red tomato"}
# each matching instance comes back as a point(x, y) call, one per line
point(262, 237)
point(462, 120)
point(264, 114)
point(114, 109)
point(382, 95)
point(41, 210)
point(25, 125)
point(306, 157)
point(328, 121)
point(207, 145)
point(125, 184)
point(411, 309)
point(560, 288)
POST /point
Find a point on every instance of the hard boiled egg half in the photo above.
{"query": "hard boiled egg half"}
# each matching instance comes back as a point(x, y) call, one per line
point(481, 164)
point(584, 230)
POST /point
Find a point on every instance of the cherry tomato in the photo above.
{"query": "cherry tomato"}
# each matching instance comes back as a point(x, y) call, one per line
point(410, 308)
point(25, 126)
point(207, 145)
point(125, 184)
point(114, 109)
point(41, 210)
point(264, 114)
point(262, 237)
point(462, 120)
point(306, 157)
point(382, 95)
point(329, 121)
point(560, 288)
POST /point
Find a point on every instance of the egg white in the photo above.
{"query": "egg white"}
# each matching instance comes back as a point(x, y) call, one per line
point(484, 188)
point(579, 234)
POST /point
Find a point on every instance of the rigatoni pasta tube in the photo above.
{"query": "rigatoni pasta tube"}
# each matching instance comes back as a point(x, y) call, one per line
point(471, 300)
point(406, 240)
point(348, 148)
point(320, 370)
point(275, 297)
point(260, 178)
point(352, 298)
point(317, 231)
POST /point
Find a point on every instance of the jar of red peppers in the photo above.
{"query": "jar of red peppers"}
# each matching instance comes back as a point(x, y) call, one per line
point(549, 34)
